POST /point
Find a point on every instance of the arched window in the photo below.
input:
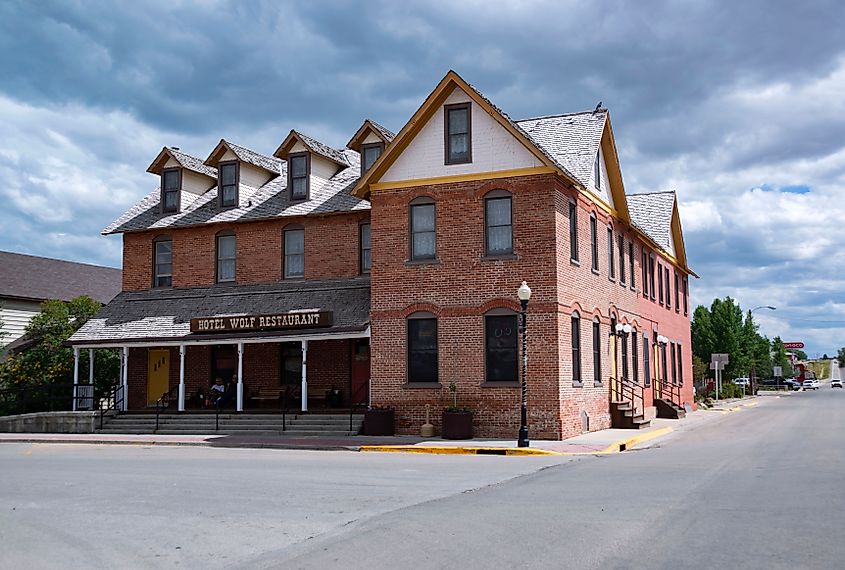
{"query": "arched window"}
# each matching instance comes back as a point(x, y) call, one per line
point(226, 256)
point(163, 261)
point(635, 359)
point(422, 348)
point(624, 356)
point(576, 349)
point(423, 229)
point(611, 267)
point(573, 231)
point(597, 374)
point(293, 238)
point(594, 243)
point(498, 223)
point(501, 352)
point(646, 361)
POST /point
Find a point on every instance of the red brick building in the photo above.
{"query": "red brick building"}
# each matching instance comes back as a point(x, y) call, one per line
point(386, 273)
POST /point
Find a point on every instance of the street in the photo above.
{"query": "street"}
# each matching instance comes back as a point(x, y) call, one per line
point(759, 488)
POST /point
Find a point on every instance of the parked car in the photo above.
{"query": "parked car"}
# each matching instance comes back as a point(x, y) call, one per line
point(836, 383)
point(742, 382)
point(810, 384)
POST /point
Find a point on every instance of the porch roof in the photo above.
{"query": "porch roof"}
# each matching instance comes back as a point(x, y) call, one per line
point(157, 315)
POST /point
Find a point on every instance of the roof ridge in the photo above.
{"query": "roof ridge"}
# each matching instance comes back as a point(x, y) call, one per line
point(556, 116)
point(652, 193)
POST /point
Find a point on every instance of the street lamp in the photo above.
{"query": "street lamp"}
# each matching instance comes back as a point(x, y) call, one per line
point(524, 294)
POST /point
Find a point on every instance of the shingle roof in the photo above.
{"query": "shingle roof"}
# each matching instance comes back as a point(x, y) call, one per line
point(256, 158)
point(31, 277)
point(269, 201)
point(317, 147)
point(572, 140)
point(652, 213)
point(192, 163)
point(166, 314)
point(384, 131)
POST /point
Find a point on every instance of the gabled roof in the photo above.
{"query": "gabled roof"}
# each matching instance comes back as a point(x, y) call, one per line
point(40, 278)
point(368, 127)
point(186, 161)
point(271, 200)
point(656, 215)
point(315, 146)
point(244, 155)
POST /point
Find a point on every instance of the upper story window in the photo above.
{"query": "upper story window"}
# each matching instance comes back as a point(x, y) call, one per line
point(226, 257)
point(631, 264)
point(458, 133)
point(423, 233)
point(594, 243)
point(366, 260)
point(668, 287)
point(573, 231)
point(659, 283)
point(680, 365)
point(163, 262)
point(500, 339)
point(171, 186)
point(646, 361)
point(576, 348)
point(686, 293)
point(624, 357)
point(635, 362)
point(299, 169)
point(294, 253)
point(498, 223)
point(597, 171)
point(611, 267)
point(422, 348)
point(369, 154)
point(674, 365)
point(621, 240)
point(596, 352)
point(645, 273)
point(651, 275)
point(677, 292)
point(228, 174)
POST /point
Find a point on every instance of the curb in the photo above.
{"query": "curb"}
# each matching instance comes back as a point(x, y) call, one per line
point(245, 445)
point(448, 450)
point(627, 444)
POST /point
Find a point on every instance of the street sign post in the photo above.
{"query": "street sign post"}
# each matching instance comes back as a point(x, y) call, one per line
point(718, 361)
point(778, 370)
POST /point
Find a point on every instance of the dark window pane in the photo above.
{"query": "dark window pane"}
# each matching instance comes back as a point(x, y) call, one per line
point(423, 237)
point(226, 258)
point(171, 180)
point(635, 359)
point(611, 267)
point(594, 246)
point(228, 174)
point(370, 155)
point(499, 230)
point(294, 253)
point(298, 166)
point(422, 218)
point(597, 353)
point(366, 259)
point(171, 201)
point(229, 195)
point(458, 121)
point(422, 350)
point(501, 356)
point(576, 349)
point(646, 361)
point(573, 231)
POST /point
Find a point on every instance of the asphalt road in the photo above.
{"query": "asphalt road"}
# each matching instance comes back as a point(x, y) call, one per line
point(758, 488)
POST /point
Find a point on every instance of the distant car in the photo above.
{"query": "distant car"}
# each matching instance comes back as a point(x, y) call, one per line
point(810, 384)
point(836, 383)
point(742, 382)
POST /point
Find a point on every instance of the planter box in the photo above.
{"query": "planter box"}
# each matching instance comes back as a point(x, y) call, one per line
point(457, 425)
point(380, 422)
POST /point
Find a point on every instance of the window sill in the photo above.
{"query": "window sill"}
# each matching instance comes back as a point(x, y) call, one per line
point(611, 279)
point(421, 385)
point(575, 262)
point(506, 384)
point(598, 384)
point(412, 262)
point(595, 271)
point(577, 384)
point(504, 257)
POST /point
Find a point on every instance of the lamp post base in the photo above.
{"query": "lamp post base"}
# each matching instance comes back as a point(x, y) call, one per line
point(523, 437)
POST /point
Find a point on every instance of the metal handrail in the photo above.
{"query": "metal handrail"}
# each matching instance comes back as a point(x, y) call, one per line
point(667, 387)
point(164, 402)
point(626, 387)
point(112, 397)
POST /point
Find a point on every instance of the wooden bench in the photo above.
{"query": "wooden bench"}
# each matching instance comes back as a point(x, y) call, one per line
point(268, 396)
point(263, 395)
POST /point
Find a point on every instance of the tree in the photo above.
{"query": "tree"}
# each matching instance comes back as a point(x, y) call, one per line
point(47, 361)
point(799, 354)
point(841, 356)
point(780, 358)
point(825, 357)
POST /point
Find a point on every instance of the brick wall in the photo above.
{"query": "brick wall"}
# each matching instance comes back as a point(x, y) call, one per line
point(259, 251)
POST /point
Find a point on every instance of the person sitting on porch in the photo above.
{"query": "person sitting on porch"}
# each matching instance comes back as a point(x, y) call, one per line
point(216, 393)
point(229, 393)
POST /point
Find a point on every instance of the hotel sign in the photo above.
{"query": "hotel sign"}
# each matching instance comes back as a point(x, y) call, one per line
point(248, 323)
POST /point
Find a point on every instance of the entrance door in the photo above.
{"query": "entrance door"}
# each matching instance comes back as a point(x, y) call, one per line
point(361, 371)
point(158, 375)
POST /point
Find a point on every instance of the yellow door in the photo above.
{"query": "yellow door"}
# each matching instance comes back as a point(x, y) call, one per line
point(158, 375)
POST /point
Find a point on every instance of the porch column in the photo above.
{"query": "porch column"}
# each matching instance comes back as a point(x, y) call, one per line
point(240, 376)
point(75, 374)
point(125, 379)
point(181, 377)
point(304, 376)
point(91, 368)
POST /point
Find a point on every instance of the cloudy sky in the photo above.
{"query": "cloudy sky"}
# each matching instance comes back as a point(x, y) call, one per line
point(736, 105)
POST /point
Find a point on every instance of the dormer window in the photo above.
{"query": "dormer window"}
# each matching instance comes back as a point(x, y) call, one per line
point(228, 174)
point(299, 166)
point(171, 185)
point(458, 134)
point(369, 154)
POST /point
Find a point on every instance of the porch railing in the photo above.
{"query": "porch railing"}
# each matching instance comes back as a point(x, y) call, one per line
point(112, 401)
point(632, 392)
point(665, 390)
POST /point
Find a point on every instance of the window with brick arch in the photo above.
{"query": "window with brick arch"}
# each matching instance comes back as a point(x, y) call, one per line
point(646, 361)
point(674, 365)
point(621, 248)
point(677, 292)
point(659, 283)
point(664, 369)
point(576, 349)
point(501, 358)
point(423, 224)
point(596, 352)
point(668, 286)
point(631, 263)
point(611, 266)
point(294, 248)
point(686, 293)
point(594, 243)
point(645, 273)
point(163, 261)
point(635, 359)
point(498, 223)
point(573, 231)
point(651, 275)
point(624, 359)
point(422, 348)
point(680, 365)
point(226, 257)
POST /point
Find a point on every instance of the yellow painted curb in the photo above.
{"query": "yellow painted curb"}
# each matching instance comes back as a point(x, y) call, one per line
point(626, 444)
point(457, 450)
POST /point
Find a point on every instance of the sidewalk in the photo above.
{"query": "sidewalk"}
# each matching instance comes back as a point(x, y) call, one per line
point(594, 443)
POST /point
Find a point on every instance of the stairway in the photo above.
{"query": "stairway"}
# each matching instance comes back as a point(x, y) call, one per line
point(669, 409)
point(623, 416)
point(298, 425)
